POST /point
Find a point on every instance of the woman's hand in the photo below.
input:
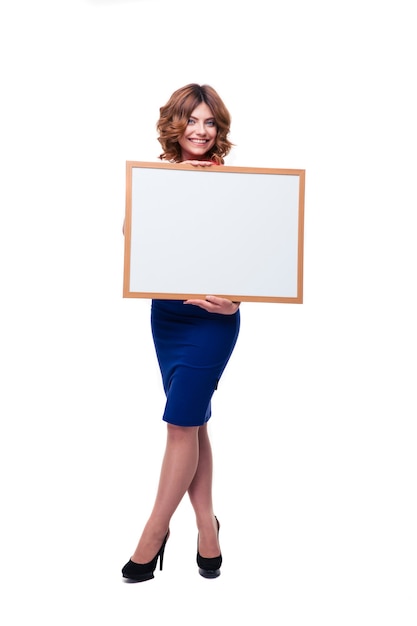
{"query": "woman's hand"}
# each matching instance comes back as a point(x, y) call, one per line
point(213, 304)
point(196, 162)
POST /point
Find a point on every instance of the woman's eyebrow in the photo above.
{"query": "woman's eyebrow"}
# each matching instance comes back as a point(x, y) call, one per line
point(207, 119)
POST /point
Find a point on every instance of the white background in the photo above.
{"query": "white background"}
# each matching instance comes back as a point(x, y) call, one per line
point(314, 422)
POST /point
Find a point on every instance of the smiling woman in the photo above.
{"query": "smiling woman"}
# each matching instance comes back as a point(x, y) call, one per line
point(194, 124)
point(194, 341)
point(200, 135)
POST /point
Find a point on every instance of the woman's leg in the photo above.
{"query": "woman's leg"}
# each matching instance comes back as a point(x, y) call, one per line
point(179, 466)
point(200, 493)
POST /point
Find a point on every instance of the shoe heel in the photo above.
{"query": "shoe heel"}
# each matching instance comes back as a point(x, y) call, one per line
point(161, 556)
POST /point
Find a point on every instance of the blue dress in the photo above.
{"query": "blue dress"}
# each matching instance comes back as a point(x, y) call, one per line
point(193, 347)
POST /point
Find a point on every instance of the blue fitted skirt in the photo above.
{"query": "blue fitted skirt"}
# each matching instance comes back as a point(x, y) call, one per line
point(193, 347)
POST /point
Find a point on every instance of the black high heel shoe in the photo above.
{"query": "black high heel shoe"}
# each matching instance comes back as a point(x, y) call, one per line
point(209, 568)
point(140, 572)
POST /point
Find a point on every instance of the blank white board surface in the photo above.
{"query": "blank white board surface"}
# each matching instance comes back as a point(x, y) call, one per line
point(228, 231)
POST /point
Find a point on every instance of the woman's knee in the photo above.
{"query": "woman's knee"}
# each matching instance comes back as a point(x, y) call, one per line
point(182, 432)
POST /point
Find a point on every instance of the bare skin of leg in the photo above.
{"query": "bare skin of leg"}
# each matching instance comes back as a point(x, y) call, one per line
point(200, 493)
point(178, 468)
point(186, 460)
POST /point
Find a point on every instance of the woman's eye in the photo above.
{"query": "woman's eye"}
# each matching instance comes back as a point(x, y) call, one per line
point(211, 123)
point(190, 121)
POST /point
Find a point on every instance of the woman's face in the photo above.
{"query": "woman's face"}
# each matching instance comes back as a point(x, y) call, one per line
point(200, 135)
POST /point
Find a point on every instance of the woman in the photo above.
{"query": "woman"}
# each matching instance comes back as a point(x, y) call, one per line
point(194, 341)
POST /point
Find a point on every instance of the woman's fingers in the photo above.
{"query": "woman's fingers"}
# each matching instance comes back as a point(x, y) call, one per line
point(196, 163)
point(214, 304)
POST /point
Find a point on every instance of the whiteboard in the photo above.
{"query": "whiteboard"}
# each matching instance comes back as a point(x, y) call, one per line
point(234, 232)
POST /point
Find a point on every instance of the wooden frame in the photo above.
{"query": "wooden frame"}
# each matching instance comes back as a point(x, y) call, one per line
point(234, 232)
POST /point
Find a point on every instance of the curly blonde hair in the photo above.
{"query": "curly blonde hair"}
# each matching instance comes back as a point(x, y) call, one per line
point(174, 116)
